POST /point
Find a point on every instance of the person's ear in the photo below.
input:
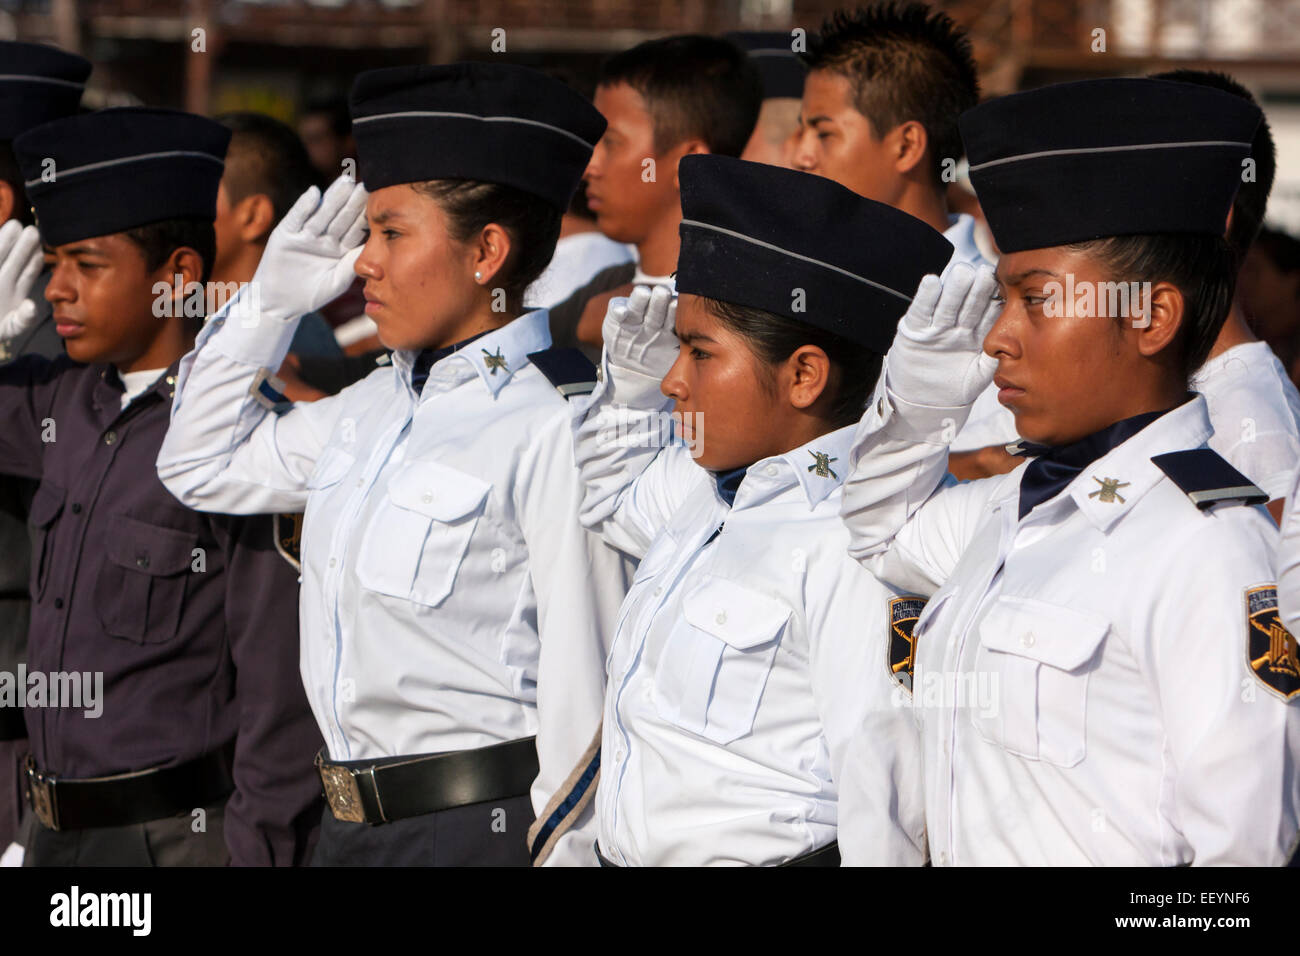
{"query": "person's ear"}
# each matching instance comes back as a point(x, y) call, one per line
point(808, 371)
point(8, 201)
point(689, 147)
point(255, 217)
point(1158, 322)
point(490, 253)
point(908, 143)
point(186, 263)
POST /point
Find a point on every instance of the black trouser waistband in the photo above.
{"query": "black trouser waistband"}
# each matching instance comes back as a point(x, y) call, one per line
point(828, 855)
point(123, 799)
point(382, 792)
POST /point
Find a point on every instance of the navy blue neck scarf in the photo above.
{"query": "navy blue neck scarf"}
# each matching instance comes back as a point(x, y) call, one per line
point(729, 483)
point(425, 360)
point(1057, 465)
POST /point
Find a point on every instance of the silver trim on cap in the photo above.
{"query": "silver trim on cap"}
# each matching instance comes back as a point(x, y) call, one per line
point(64, 174)
point(485, 119)
point(795, 255)
point(1105, 149)
point(28, 78)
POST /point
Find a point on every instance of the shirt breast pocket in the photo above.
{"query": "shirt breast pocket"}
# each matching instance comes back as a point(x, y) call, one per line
point(421, 532)
point(47, 505)
point(140, 589)
point(717, 658)
point(1039, 658)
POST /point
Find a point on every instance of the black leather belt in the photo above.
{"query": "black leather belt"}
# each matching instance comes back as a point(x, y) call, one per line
point(382, 792)
point(828, 855)
point(123, 799)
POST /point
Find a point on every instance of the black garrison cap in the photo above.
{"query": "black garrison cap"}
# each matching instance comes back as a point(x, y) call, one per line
point(492, 122)
point(38, 83)
point(1113, 157)
point(779, 66)
point(753, 234)
point(113, 170)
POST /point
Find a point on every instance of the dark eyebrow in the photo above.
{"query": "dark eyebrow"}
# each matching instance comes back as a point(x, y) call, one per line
point(1020, 277)
point(818, 119)
point(689, 337)
point(81, 251)
point(385, 215)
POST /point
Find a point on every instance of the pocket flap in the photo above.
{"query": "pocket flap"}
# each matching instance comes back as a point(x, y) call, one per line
point(1048, 633)
point(437, 491)
point(736, 615)
point(148, 548)
point(46, 504)
point(331, 466)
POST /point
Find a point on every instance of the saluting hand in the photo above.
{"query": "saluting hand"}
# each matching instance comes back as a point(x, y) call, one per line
point(937, 358)
point(20, 261)
point(639, 331)
point(309, 256)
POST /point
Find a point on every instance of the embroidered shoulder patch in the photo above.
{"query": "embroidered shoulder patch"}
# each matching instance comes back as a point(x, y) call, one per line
point(1270, 647)
point(903, 614)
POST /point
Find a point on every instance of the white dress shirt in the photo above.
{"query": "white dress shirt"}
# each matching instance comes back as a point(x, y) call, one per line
point(450, 597)
point(751, 715)
point(1092, 681)
point(1255, 411)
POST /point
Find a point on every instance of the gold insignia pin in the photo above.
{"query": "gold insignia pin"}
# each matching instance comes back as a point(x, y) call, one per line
point(494, 362)
point(1109, 490)
point(822, 465)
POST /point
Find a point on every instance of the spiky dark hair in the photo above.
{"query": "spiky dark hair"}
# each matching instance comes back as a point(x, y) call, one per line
point(904, 62)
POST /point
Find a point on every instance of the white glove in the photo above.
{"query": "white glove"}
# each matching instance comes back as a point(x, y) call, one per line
point(309, 256)
point(20, 262)
point(937, 358)
point(639, 331)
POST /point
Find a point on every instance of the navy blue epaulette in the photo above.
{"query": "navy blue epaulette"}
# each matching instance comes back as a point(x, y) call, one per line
point(1207, 479)
point(571, 372)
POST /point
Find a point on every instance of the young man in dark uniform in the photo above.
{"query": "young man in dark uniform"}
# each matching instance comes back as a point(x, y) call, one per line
point(40, 83)
point(195, 745)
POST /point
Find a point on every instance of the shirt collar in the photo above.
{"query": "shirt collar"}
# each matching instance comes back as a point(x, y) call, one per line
point(1109, 488)
point(496, 356)
point(961, 233)
point(819, 467)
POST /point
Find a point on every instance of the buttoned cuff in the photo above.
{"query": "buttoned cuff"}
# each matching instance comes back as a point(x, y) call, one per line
point(931, 424)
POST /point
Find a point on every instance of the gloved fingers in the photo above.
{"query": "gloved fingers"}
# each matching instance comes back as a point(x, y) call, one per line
point(956, 287)
point(299, 212)
point(637, 303)
point(656, 311)
point(345, 220)
point(331, 203)
point(920, 312)
point(356, 232)
point(27, 255)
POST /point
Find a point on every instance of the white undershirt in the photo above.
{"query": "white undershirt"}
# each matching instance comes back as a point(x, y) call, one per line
point(137, 383)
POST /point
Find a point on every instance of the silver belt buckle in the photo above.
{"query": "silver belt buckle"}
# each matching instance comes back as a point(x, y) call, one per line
point(341, 792)
point(40, 790)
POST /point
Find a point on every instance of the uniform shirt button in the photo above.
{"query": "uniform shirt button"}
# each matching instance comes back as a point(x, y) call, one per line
point(943, 857)
point(659, 590)
point(1027, 640)
point(427, 497)
point(360, 482)
point(770, 471)
point(110, 438)
point(722, 617)
point(58, 604)
point(333, 562)
point(142, 561)
point(76, 508)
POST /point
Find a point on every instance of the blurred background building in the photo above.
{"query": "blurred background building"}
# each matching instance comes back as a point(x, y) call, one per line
point(285, 57)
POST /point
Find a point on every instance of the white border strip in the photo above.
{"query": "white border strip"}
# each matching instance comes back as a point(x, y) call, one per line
point(165, 154)
point(483, 119)
point(1105, 149)
point(795, 255)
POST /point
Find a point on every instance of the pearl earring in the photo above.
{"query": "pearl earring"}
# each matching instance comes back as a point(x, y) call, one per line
point(478, 276)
